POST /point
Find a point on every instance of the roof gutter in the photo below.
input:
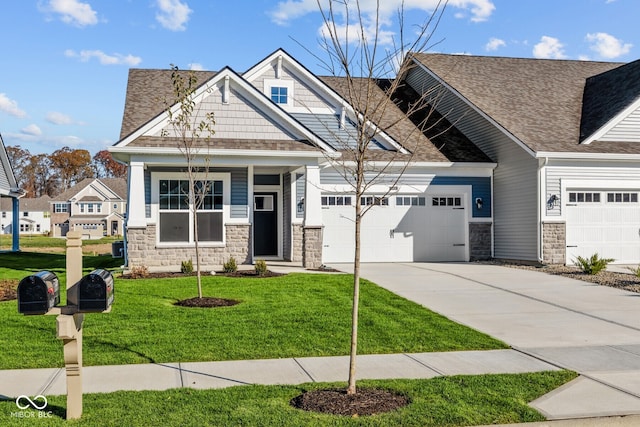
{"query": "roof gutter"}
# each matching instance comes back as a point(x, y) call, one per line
point(587, 156)
point(223, 152)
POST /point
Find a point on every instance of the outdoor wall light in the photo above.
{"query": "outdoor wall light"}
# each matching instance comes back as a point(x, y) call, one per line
point(553, 201)
point(301, 205)
point(479, 203)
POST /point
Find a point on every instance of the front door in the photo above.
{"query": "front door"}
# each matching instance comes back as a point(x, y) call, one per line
point(265, 222)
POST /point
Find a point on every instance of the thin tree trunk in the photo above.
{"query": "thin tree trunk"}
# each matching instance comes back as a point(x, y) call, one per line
point(351, 388)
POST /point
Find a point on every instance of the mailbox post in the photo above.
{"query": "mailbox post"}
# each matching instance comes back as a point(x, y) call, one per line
point(69, 327)
point(93, 293)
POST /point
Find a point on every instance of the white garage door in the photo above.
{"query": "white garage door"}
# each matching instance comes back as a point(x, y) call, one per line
point(603, 222)
point(396, 229)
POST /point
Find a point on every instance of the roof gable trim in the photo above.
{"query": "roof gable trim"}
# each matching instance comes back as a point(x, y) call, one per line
point(612, 123)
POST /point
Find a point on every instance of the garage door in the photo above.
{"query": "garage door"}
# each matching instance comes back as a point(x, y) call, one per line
point(396, 229)
point(603, 222)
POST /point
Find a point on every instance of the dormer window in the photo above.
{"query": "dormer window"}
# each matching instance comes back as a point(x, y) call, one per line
point(279, 94)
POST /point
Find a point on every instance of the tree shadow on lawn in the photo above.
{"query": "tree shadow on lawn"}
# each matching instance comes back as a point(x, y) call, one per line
point(57, 263)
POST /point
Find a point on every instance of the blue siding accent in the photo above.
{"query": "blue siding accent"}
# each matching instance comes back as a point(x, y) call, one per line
point(239, 193)
point(480, 188)
point(147, 193)
point(299, 194)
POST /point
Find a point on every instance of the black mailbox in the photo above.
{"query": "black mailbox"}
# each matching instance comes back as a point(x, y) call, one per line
point(38, 293)
point(95, 291)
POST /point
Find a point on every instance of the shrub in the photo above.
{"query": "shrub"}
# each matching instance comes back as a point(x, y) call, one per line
point(139, 272)
point(186, 267)
point(261, 267)
point(230, 266)
point(592, 265)
point(635, 271)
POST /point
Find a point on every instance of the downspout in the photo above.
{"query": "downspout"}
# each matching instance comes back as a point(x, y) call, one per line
point(540, 213)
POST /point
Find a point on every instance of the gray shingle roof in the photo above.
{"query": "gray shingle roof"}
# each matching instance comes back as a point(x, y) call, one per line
point(117, 185)
point(146, 90)
point(39, 204)
point(539, 101)
point(607, 94)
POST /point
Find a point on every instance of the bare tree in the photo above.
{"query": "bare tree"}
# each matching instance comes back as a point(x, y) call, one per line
point(192, 134)
point(370, 77)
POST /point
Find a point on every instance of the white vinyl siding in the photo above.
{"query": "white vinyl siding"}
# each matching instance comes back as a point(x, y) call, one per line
point(627, 130)
point(556, 174)
point(515, 179)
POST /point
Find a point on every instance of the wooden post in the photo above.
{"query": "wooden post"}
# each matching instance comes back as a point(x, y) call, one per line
point(69, 327)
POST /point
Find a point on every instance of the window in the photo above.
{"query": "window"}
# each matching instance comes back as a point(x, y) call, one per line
point(47, 214)
point(373, 200)
point(60, 207)
point(622, 197)
point(336, 200)
point(446, 201)
point(25, 213)
point(175, 213)
point(584, 197)
point(410, 201)
point(263, 203)
point(279, 94)
point(4, 214)
point(90, 207)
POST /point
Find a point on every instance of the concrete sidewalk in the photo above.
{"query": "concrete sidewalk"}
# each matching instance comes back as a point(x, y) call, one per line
point(591, 329)
point(206, 375)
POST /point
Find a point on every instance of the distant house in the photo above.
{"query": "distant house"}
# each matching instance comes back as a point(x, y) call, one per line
point(94, 206)
point(9, 188)
point(34, 217)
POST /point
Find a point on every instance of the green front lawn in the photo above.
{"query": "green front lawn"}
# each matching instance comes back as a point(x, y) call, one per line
point(40, 241)
point(293, 315)
point(443, 401)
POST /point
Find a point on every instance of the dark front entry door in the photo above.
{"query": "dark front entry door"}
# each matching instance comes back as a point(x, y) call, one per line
point(265, 222)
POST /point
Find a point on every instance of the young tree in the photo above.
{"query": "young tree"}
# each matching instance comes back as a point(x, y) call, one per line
point(370, 75)
point(192, 134)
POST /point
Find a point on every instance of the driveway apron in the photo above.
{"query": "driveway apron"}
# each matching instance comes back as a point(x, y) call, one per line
point(591, 329)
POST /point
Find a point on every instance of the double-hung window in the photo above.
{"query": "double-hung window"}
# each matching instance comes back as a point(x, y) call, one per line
point(176, 214)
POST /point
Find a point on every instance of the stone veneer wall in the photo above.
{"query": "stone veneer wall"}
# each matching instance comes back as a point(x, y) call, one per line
point(554, 242)
point(479, 240)
point(142, 250)
point(312, 244)
point(296, 242)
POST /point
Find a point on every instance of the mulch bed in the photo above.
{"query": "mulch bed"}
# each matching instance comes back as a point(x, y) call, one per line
point(367, 401)
point(207, 302)
point(166, 275)
point(8, 289)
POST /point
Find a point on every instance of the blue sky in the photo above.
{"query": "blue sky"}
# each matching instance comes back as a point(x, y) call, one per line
point(64, 63)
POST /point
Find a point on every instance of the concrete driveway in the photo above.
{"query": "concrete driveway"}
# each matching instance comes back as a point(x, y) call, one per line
point(591, 329)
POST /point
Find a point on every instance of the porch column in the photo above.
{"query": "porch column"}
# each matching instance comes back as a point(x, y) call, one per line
point(15, 247)
point(312, 206)
point(135, 203)
point(312, 231)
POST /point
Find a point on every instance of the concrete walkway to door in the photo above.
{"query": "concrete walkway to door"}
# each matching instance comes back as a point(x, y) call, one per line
point(591, 329)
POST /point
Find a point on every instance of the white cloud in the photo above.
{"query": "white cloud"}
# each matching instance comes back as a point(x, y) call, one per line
point(173, 14)
point(549, 48)
point(103, 58)
point(73, 12)
point(608, 46)
point(289, 10)
point(196, 66)
point(10, 107)
point(58, 118)
point(494, 44)
point(32, 129)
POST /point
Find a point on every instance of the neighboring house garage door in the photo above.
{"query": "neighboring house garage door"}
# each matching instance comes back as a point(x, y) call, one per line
point(603, 222)
point(398, 228)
